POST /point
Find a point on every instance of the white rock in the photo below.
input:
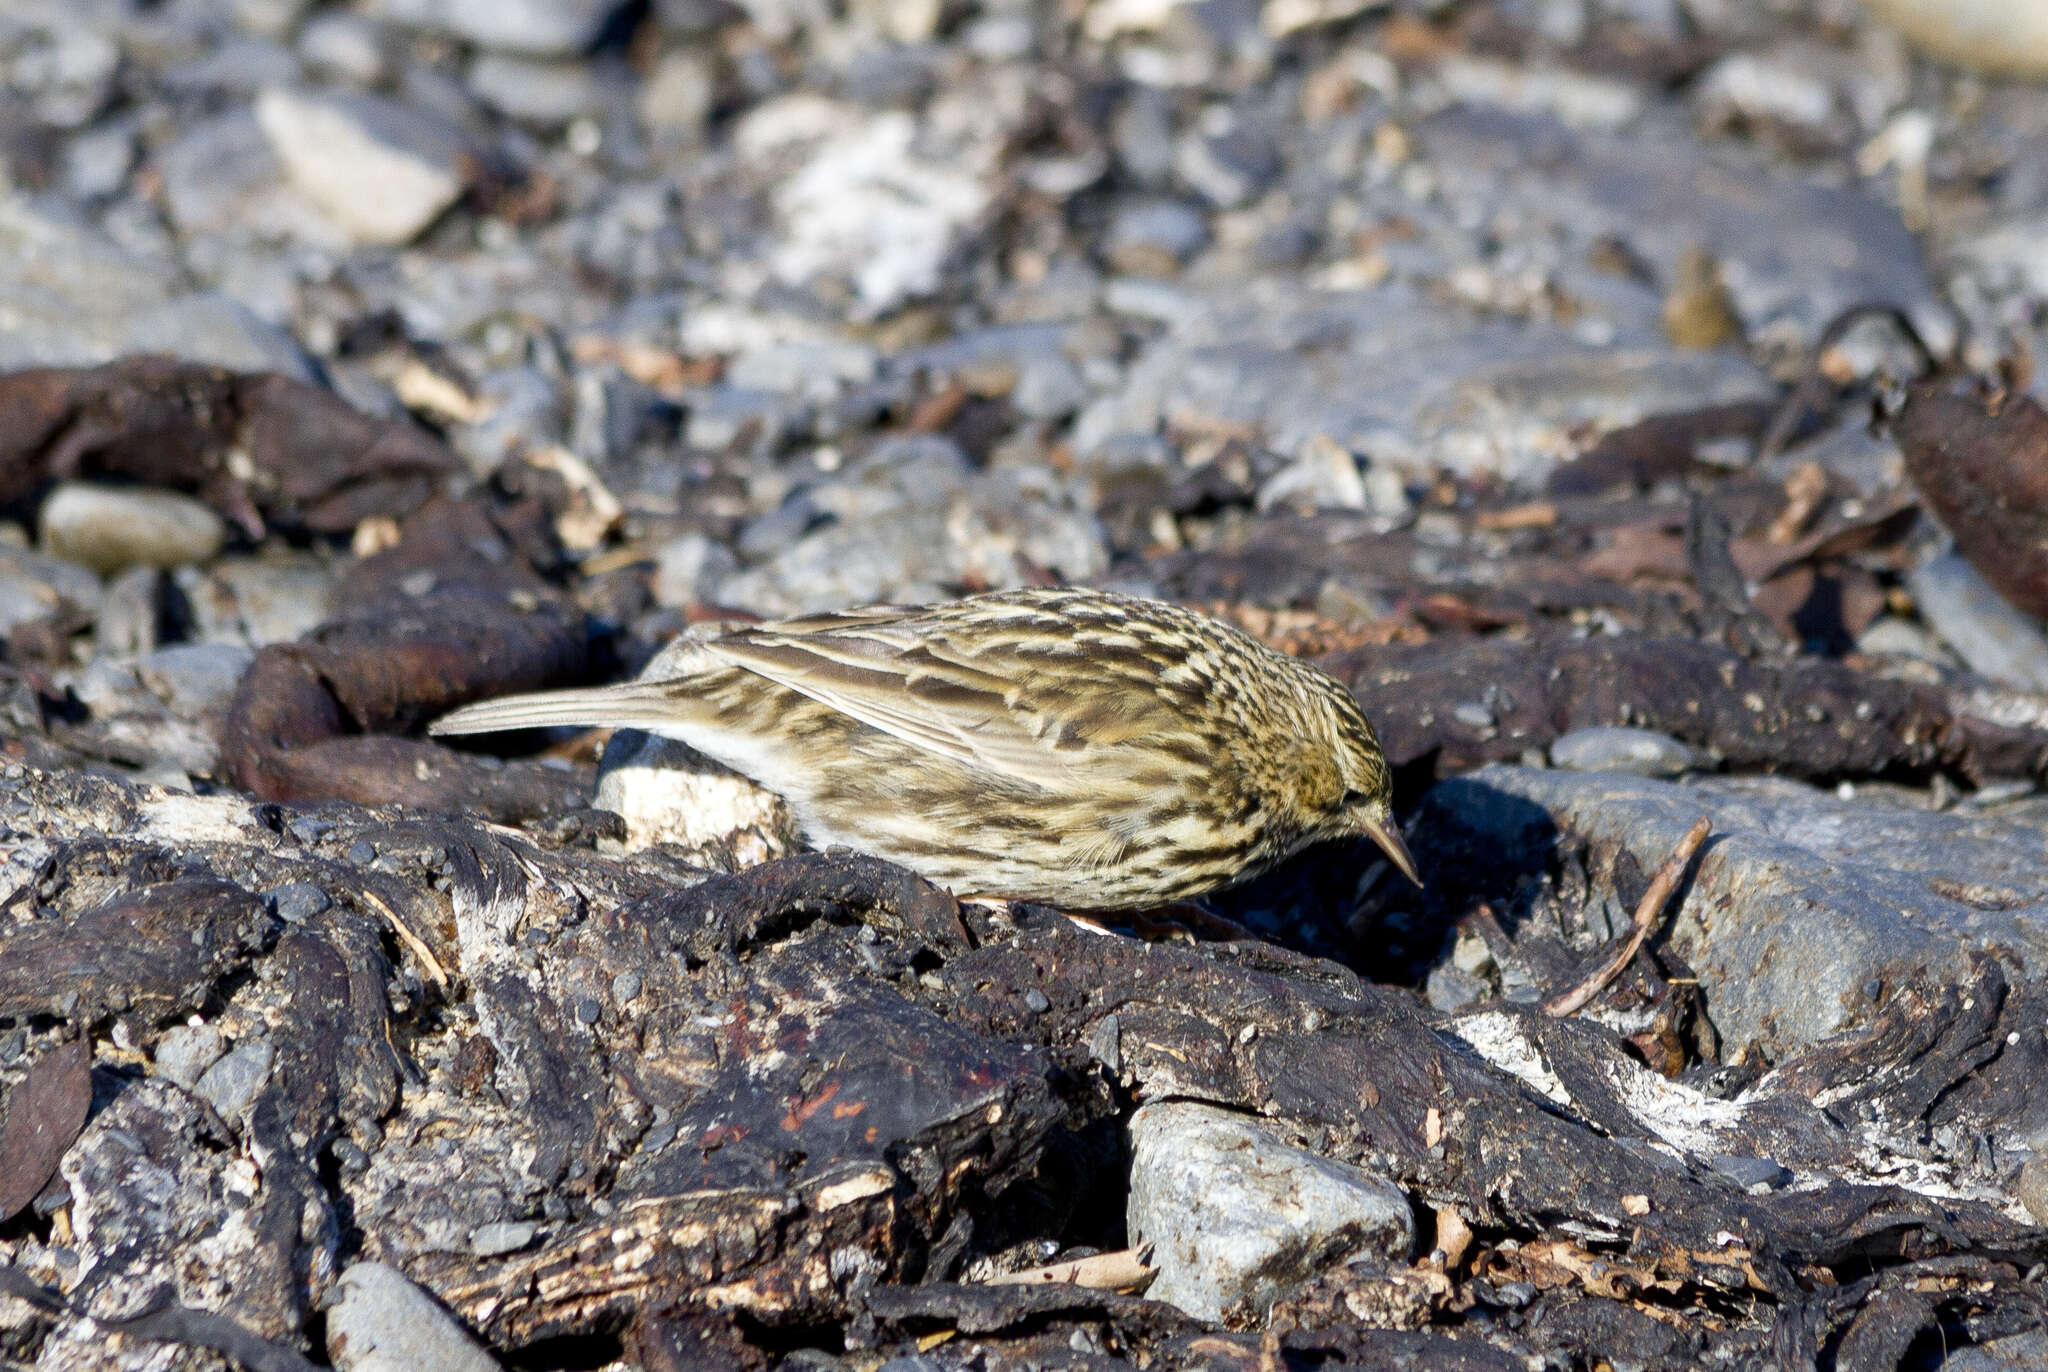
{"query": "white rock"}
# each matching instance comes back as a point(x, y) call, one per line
point(690, 568)
point(1237, 1218)
point(108, 528)
point(668, 793)
point(2009, 37)
point(380, 1322)
point(383, 171)
point(1324, 476)
point(867, 206)
point(1634, 752)
point(1987, 633)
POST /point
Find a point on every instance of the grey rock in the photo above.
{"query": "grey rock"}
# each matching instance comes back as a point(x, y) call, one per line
point(349, 46)
point(720, 416)
point(252, 601)
point(97, 161)
point(72, 297)
point(218, 172)
point(300, 901)
point(237, 66)
point(1637, 752)
point(1238, 1218)
point(1154, 236)
point(1407, 381)
point(1750, 1172)
point(548, 27)
point(522, 407)
point(1987, 632)
point(814, 370)
point(1450, 987)
point(1793, 253)
point(109, 528)
point(1323, 477)
point(131, 614)
point(194, 678)
point(1229, 166)
point(536, 90)
point(33, 586)
point(381, 171)
point(230, 1085)
point(2013, 1353)
point(1803, 899)
point(380, 1322)
point(503, 1236)
point(690, 569)
point(186, 1050)
point(1893, 636)
point(1049, 388)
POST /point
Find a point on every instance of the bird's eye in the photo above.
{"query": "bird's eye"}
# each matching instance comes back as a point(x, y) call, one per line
point(1354, 798)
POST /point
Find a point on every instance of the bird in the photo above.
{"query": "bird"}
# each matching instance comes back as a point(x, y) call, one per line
point(1064, 746)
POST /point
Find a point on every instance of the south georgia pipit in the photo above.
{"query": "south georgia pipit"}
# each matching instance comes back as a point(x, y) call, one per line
point(1070, 747)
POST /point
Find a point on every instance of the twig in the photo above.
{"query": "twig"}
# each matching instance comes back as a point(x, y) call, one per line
point(412, 941)
point(1648, 909)
point(1126, 1269)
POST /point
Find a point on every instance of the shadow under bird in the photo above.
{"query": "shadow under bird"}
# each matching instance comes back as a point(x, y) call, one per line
point(1072, 747)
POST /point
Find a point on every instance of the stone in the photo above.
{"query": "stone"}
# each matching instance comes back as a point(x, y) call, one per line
point(109, 528)
point(504, 1236)
point(380, 1322)
point(1987, 632)
point(668, 793)
point(547, 27)
point(1154, 236)
point(1049, 388)
point(230, 1085)
point(689, 570)
point(1229, 165)
point(1238, 1219)
point(34, 587)
point(345, 45)
point(70, 296)
point(1992, 36)
point(678, 96)
point(1324, 476)
point(254, 601)
point(381, 170)
point(194, 679)
point(868, 208)
point(534, 90)
point(1636, 752)
point(186, 1050)
point(817, 370)
point(1802, 900)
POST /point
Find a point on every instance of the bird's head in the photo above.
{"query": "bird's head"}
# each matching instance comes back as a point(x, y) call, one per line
point(1364, 804)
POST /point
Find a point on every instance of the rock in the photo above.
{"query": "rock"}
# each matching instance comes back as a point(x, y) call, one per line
point(109, 528)
point(1230, 163)
point(1801, 902)
point(1324, 476)
point(815, 370)
point(230, 1084)
point(185, 1052)
point(382, 171)
point(253, 601)
point(1049, 388)
point(71, 297)
point(1406, 381)
point(380, 1322)
point(193, 679)
point(1636, 752)
point(535, 90)
point(679, 96)
point(1892, 636)
point(690, 569)
point(668, 793)
point(2013, 1353)
point(504, 1236)
point(1238, 1219)
point(869, 209)
point(1986, 632)
point(33, 587)
point(545, 27)
point(1154, 236)
point(1990, 36)
point(338, 43)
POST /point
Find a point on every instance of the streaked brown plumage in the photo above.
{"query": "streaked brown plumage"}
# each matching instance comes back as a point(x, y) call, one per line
point(1089, 750)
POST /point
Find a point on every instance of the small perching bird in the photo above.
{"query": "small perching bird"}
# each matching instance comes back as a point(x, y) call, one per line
point(1073, 747)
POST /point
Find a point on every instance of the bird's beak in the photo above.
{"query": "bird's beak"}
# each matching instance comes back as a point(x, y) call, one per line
point(1384, 833)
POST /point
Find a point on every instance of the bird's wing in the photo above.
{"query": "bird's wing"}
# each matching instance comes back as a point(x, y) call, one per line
point(994, 702)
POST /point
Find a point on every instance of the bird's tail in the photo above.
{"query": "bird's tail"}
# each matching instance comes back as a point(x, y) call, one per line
point(632, 705)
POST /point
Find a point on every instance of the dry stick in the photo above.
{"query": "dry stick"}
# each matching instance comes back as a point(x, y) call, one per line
point(1647, 911)
point(411, 940)
point(1119, 1271)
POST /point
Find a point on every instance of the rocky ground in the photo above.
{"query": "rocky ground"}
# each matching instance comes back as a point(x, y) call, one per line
point(361, 359)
